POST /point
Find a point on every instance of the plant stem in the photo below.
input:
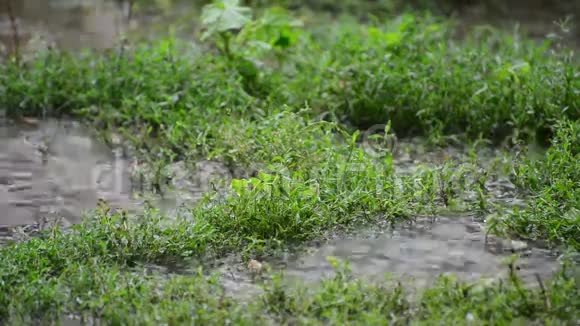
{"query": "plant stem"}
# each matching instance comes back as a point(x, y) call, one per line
point(226, 49)
point(14, 27)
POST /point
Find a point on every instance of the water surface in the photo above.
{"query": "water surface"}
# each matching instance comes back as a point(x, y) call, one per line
point(56, 169)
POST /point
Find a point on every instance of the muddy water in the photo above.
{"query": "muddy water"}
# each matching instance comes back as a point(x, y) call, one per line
point(447, 245)
point(56, 169)
point(78, 24)
point(53, 171)
point(415, 255)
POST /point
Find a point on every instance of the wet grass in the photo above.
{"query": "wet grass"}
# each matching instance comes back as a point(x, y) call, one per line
point(89, 274)
point(94, 269)
point(553, 212)
point(304, 178)
point(408, 71)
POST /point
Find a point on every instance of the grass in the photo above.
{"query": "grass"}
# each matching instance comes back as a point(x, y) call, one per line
point(289, 106)
point(553, 212)
point(95, 270)
point(93, 290)
point(399, 71)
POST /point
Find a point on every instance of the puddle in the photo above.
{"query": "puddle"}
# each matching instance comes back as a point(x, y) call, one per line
point(449, 245)
point(52, 171)
point(69, 24)
point(56, 169)
point(415, 255)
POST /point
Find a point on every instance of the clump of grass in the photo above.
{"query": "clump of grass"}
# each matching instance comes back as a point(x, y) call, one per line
point(320, 181)
point(553, 212)
point(95, 293)
point(407, 71)
point(343, 300)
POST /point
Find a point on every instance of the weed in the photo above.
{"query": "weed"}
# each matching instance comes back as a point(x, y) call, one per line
point(552, 213)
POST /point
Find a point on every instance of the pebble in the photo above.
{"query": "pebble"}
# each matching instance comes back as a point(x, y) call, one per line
point(255, 266)
point(518, 245)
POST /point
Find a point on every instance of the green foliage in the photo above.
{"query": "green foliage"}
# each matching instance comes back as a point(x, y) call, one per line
point(94, 292)
point(409, 73)
point(302, 179)
point(224, 16)
point(553, 213)
point(406, 71)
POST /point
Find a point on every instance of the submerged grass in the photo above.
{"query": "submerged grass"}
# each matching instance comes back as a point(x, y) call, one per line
point(230, 100)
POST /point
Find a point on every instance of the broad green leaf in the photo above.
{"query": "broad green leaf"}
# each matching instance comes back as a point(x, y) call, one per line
point(393, 39)
point(223, 16)
point(283, 41)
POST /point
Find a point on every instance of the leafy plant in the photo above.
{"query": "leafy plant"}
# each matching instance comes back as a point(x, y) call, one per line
point(553, 212)
point(222, 18)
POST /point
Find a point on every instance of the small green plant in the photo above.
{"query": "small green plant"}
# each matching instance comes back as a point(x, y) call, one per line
point(221, 19)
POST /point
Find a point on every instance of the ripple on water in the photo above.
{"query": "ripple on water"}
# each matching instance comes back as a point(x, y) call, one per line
point(55, 168)
point(69, 178)
point(450, 245)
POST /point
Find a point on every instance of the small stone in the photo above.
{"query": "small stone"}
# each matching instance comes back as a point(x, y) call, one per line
point(518, 245)
point(116, 139)
point(255, 266)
